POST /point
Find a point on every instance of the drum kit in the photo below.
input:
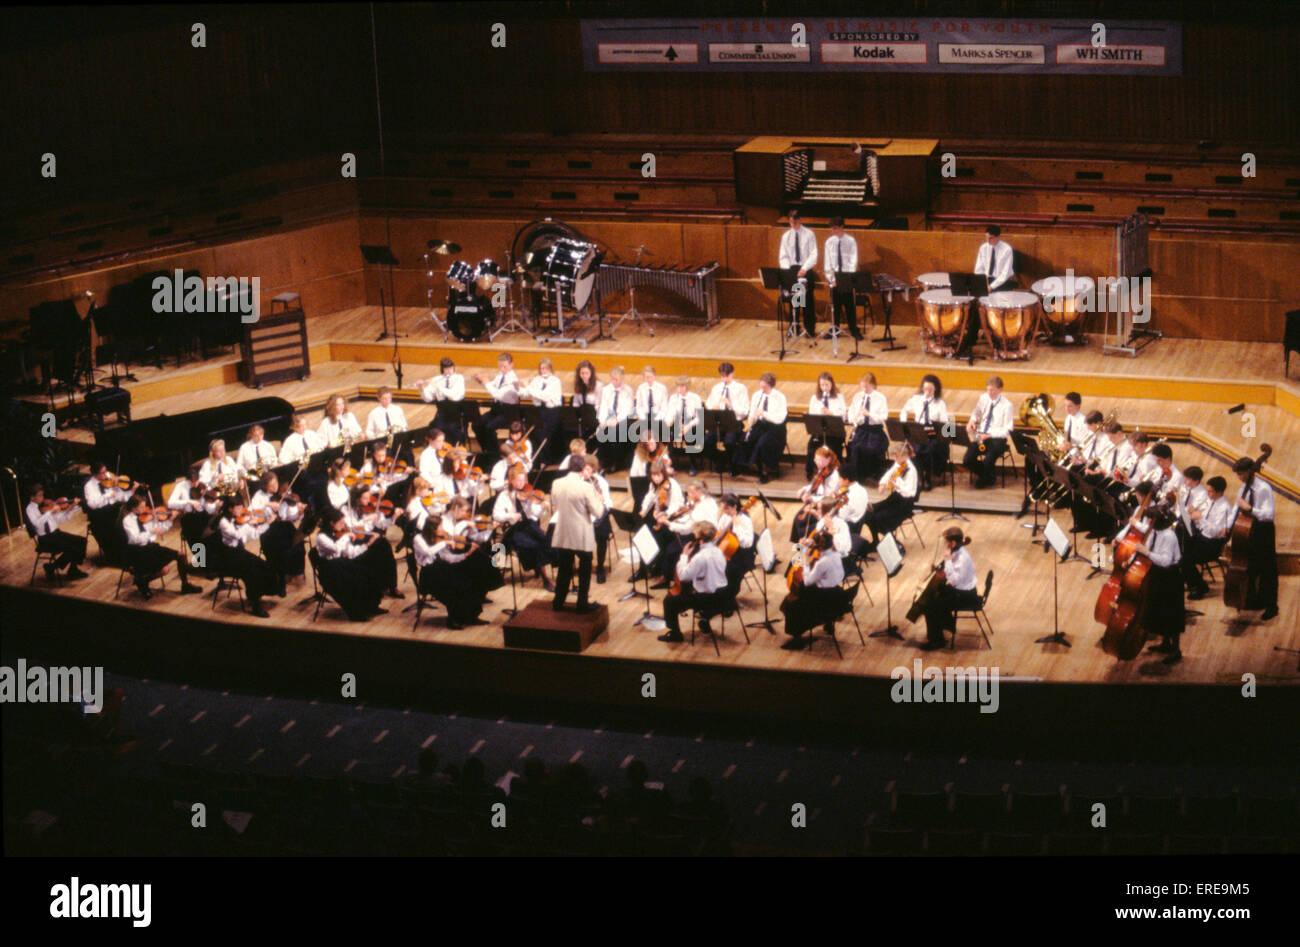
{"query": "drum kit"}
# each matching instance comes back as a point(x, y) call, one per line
point(475, 295)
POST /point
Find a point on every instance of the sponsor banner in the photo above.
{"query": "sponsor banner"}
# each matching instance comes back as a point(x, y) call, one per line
point(909, 44)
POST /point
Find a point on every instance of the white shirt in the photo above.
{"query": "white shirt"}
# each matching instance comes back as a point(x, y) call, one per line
point(995, 262)
point(252, 454)
point(99, 496)
point(868, 407)
point(602, 488)
point(430, 464)
point(1214, 524)
point(685, 411)
point(994, 418)
point(212, 472)
point(502, 387)
point(706, 571)
point(959, 570)
point(339, 495)
point(334, 431)
point(328, 547)
point(287, 511)
point(545, 390)
point(1075, 427)
point(46, 523)
point(737, 393)
point(381, 419)
point(742, 527)
point(234, 535)
point(706, 511)
point(768, 406)
point(907, 481)
point(137, 533)
point(1147, 468)
point(798, 246)
point(296, 445)
point(616, 403)
point(506, 508)
point(827, 572)
point(915, 410)
point(841, 256)
point(1260, 497)
point(652, 496)
point(826, 404)
point(856, 504)
point(828, 486)
point(444, 388)
point(592, 397)
point(651, 397)
point(1163, 548)
point(839, 530)
point(1121, 457)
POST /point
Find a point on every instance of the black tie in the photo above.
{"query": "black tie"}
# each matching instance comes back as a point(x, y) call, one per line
point(925, 413)
point(988, 418)
point(839, 254)
point(797, 255)
point(762, 406)
point(826, 400)
point(388, 422)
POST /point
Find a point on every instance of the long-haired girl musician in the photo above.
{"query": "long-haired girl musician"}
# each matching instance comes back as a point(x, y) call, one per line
point(900, 484)
point(928, 409)
point(732, 520)
point(353, 573)
point(189, 502)
point(823, 482)
point(827, 401)
point(282, 543)
point(957, 589)
point(339, 424)
point(520, 509)
point(815, 601)
point(867, 445)
point(260, 578)
point(1165, 614)
point(453, 566)
point(663, 498)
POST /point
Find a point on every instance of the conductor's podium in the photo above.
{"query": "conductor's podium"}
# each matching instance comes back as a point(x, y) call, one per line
point(540, 627)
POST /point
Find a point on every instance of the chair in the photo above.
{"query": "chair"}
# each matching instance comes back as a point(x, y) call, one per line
point(50, 557)
point(983, 810)
point(320, 594)
point(911, 521)
point(1216, 814)
point(729, 609)
point(1153, 813)
point(1124, 844)
point(231, 584)
point(922, 809)
point(892, 841)
point(1037, 811)
point(127, 568)
point(848, 593)
point(977, 613)
point(952, 842)
point(422, 600)
point(1075, 843)
point(1013, 843)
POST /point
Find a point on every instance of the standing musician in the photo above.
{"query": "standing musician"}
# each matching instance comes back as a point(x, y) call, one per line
point(587, 388)
point(698, 508)
point(827, 402)
point(617, 403)
point(195, 510)
point(576, 504)
point(1211, 514)
point(685, 412)
point(842, 261)
point(546, 392)
point(734, 521)
point(520, 508)
point(350, 568)
point(1255, 497)
point(900, 485)
point(256, 455)
point(825, 481)
point(798, 255)
point(237, 527)
point(814, 599)
point(989, 428)
point(703, 568)
point(504, 389)
point(1165, 614)
point(868, 443)
point(651, 397)
point(765, 439)
point(451, 569)
point(339, 425)
point(446, 388)
point(387, 418)
point(601, 524)
point(662, 499)
point(144, 554)
point(219, 467)
point(301, 442)
point(728, 395)
point(44, 517)
point(956, 591)
point(928, 409)
point(282, 540)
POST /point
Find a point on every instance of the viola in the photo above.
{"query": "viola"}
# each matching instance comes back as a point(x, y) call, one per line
point(1234, 579)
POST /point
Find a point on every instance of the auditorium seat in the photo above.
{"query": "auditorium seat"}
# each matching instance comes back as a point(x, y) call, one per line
point(1153, 813)
point(984, 810)
point(1076, 843)
point(921, 809)
point(1036, 811)
point(1012, 843)
point(1145, 844)
point(893, 841)
point(952, 842)
point(1195, 845)
point(1217, 814)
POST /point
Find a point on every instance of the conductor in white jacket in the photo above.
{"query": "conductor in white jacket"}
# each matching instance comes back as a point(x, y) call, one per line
point(577, 505)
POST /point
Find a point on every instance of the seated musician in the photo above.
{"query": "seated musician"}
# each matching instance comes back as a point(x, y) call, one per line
point(145, 556)
point(617, 403)
point(354, 575)
point(685, 412)
point(602, 525)
point(1167, 478)
point(651, 397)
point(825, 481)
point(648, 450)
point(337, 492)
point(728, 395)
point(702, 570)
point(827, 402)
point(732, 520)
point(452, 567)
point(577, 448)
point(854, 512)
point(517, 438)
point(1120, 462)
point(220, 468)
point(194, 505)
point(1255, 496)
point(236, 527)
point(104, 498)
point(1087, 453)
point(1075, 424)
point(1146, 461)
point(587, 388)
point(1165, 614)
point(427, 502)
point(662, 499)
point(868, 444)
point(989, 429)
point(698, 508)
point(511, 457)
point(520, 508)
point(435, 451)
point(339, 425)
point(900, 485)
point(928, 409)
point(385, 481)
point(504, 388)
point(387, 418)
point(446, 388)
point(43, 518)
point(765, 439)
point(1210, 513)
point(957, 590)
point(301, 442)
point(546, 392)
point(817, 599)
point(256, 455)
point(282, 542)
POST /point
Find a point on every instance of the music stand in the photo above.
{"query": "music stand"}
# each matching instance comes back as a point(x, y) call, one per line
point(824, 426)
point(717, 425)
point(767, 619)
point(960, 438)
point(862, 284)
point(892, 561)
point(887, 286)
point(1055, 542)
point(382, 255)
point(776, 278)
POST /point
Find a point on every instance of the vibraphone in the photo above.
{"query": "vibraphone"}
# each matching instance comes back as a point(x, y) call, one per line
point(698, 286)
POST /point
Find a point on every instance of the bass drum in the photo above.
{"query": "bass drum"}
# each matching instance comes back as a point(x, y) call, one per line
point(568, 269)
point(469, 317)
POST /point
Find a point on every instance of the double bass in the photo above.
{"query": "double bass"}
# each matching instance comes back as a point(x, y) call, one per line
point(1234, 577)
point(1123, 600)
point(928, 590)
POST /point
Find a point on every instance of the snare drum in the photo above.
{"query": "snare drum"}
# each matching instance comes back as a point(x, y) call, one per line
point(1066, 300)
point(1009, 319)
point(943, 320)
point(459, 276)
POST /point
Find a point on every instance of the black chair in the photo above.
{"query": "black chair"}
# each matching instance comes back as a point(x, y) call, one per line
point(729, 609)
point(982, 810)
point(1012, 843)
point(957, 842)
point(922, 809)
point(1217, 814)
point(977, 613)
point(48, 556)
point(128, 569)
point(320, 594)
point(1153, 813)
point(893, 841)
point(848, 592)
point(1126, 844)
point(1076, 843)
point(422, 601)
point(1036, 811)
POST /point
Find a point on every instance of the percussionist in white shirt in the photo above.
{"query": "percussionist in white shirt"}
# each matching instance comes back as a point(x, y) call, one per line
point(799, 256)
point(841, 263)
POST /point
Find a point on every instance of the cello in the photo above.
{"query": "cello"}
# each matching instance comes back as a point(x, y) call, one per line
point(1234, 577)
point(1122, 602)
point(728, 543)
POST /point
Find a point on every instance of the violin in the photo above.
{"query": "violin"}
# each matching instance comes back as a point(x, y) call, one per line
point(366, 503)
point(431, 500)
point(159, 514)
point(60, 505)
point(386, 509)
point(531, 493)
point(244, 517)
point(664, 495)
point(121, 481)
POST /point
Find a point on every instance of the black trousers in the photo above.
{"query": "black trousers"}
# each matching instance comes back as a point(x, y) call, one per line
point(889, 514)
point(258, 575)
point(614, 454)
point(941, 615)
point(705, 605)
point(70, 549)
point(1165, 614)
point(564, 575)
point(604, 529)
point(353, 585)
point(1261, 570)
point(485, 430)
point(149, 559)
point(867, 449)
point(813, 606)
point(286, 556)
point(448, 420)
point(548, 430)
point(932, 458)
point(985, 463)
point(1197, 550)
point(530, 545)
point(762, 447)
point(843, 308)
point(739, 564)
point(108, 533)
point(804, 523)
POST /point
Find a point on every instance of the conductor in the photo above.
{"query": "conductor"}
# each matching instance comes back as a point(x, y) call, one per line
point(577, 505)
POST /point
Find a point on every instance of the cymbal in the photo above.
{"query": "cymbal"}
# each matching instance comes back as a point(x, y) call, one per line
point(444, 247)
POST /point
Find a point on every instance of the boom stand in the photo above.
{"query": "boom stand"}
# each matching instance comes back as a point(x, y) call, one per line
point(382, 256)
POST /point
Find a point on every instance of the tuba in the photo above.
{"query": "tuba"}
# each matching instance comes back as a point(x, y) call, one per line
point(1052, 441)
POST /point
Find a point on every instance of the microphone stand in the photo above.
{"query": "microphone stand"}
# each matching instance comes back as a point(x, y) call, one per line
point(768, 619)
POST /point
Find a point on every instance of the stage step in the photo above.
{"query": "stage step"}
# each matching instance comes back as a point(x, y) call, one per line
point(539, 626)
